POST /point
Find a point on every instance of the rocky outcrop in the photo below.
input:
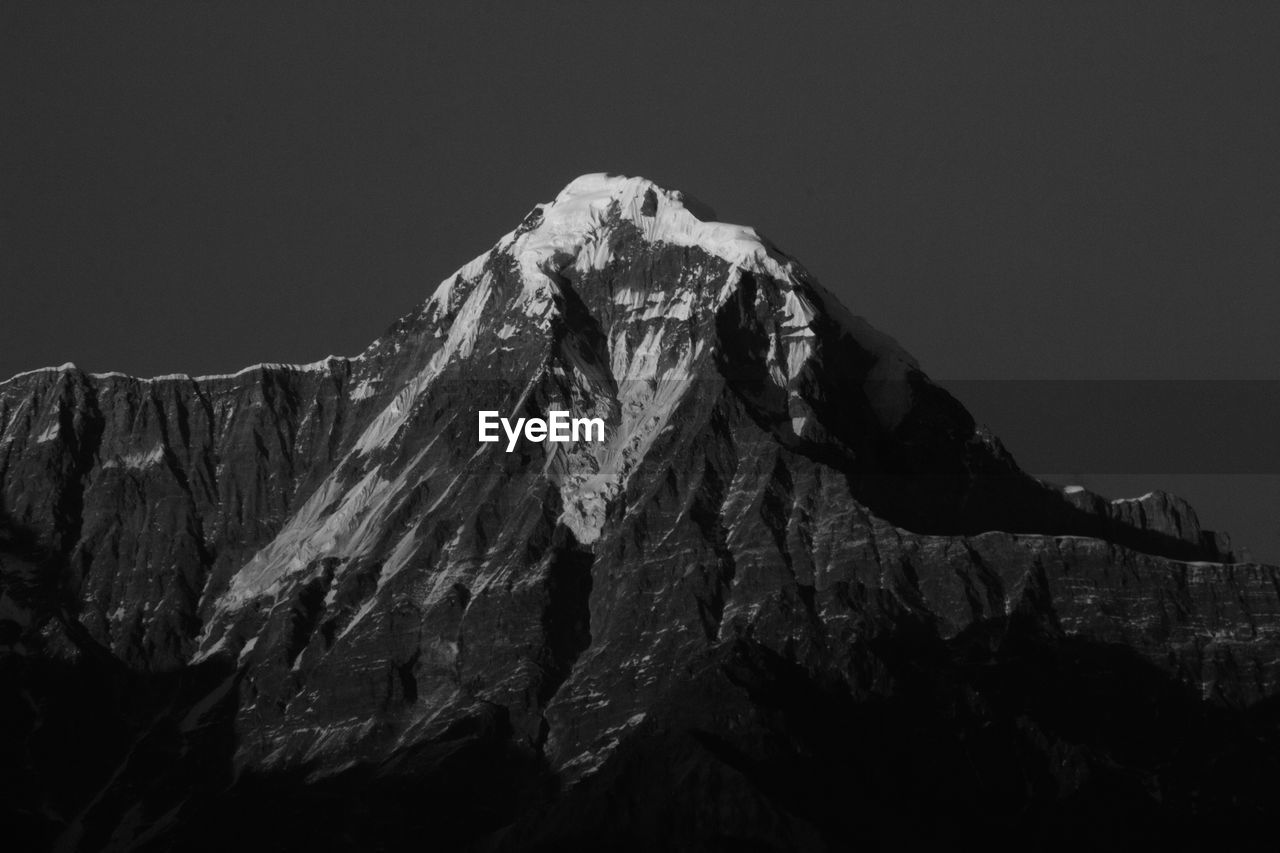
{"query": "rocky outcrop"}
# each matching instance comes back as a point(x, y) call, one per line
point(1159, 513)
point(782, 498)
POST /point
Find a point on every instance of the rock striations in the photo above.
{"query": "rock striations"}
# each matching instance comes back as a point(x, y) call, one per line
point(793, 558)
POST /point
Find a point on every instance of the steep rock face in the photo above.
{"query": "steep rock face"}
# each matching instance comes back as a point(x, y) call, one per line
point(774, 473)
point(156, 491)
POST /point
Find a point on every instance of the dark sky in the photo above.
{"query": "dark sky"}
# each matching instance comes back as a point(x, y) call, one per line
point(1068, 191)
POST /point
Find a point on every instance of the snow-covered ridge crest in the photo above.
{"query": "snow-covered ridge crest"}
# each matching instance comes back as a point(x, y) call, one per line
point(312, 367)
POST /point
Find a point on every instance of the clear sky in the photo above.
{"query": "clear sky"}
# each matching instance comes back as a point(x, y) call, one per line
point(1014, 191)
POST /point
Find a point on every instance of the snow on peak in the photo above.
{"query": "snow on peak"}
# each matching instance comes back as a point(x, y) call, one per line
point(573, 223)
point(577, 225)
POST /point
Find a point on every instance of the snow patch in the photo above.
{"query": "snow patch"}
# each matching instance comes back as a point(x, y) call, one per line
point(336, 521)
point(137, 461)
point(651, 382)
point(363, 391)
point(1134, 500)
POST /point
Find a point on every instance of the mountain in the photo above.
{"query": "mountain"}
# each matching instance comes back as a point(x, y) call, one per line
point(794, 599)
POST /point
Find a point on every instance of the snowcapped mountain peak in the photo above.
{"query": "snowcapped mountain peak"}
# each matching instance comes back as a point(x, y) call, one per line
point(590, 206)
point(580, 228)
point(582, 231)
point(637, 198)
point(596, 184)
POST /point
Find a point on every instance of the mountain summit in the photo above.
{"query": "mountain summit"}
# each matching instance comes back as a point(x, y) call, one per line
point(792, 556)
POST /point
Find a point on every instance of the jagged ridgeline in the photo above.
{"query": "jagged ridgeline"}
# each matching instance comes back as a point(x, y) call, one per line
point(792, 592)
